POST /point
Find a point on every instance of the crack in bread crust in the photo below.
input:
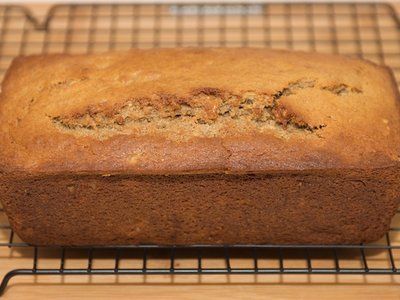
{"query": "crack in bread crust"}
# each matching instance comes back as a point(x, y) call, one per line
point(207, 107)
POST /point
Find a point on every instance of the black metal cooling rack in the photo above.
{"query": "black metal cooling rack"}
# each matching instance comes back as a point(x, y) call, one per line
point(369, 30)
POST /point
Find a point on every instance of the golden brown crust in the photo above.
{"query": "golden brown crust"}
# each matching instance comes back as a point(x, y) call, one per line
point(314, 137)
point(171, 111)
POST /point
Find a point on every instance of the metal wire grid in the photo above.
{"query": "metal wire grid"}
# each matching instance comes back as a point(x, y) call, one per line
point(367, 30)
point(371, 31)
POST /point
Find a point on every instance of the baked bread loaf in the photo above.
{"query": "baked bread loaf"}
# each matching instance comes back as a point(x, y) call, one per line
point(199, 146)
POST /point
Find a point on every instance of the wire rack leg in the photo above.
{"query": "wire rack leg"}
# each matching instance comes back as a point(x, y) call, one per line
point(10, 275)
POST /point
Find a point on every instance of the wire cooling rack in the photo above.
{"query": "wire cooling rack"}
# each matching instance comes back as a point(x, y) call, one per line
point(371, 31)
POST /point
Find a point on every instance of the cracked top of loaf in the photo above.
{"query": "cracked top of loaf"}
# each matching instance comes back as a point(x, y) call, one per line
point(197, 110)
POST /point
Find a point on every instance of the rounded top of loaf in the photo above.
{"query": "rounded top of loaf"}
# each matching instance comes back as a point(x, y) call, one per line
point(192, 110)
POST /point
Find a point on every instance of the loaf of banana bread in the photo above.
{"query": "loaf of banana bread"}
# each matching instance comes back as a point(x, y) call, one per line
point(199, 146)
